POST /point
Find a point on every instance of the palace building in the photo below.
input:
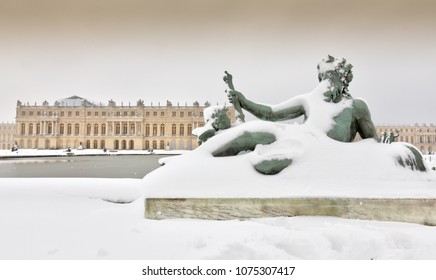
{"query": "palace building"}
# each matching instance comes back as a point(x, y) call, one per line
point(76, 122)
point(7, 134)
point(421, 136)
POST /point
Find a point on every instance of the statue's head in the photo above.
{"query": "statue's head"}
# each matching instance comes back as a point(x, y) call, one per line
point(337, 71)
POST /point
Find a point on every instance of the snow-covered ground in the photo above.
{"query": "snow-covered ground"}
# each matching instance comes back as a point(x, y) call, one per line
point(66, 223)
point(76, 219)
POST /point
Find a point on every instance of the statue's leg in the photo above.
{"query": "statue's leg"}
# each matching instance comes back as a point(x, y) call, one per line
point(246, 142)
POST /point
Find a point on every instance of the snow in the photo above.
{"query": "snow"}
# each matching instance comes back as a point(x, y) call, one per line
point(76, 218)
point(321, 167)
point(48, 223)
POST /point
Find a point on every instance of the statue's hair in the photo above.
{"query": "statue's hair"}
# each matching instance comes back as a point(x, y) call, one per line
point(330, 63)
point(338, 72)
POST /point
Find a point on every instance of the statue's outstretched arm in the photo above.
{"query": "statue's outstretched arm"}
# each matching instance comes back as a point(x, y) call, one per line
point(288, 110)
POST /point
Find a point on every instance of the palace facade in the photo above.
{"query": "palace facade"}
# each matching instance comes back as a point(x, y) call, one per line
point(76, 122)
point(7, 135)
point(421, 136)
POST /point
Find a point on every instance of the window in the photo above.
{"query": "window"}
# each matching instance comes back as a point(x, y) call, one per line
point(147, 144)
point(31, 128)
point(38, 113)
point(182, 114)
point(31, 113)
point(88, 113)
point(61, 129)
point(103, 114)
point(23, 129)
point(182, 130)
point(125, 128)
point(88, 129)
point(117, 129)
point(103, 130)
point(125, 113)
point(162, 114)
point(50, 128)
point(118, 114)
point(70, 114)
point(95, 129)
point(174, 114)
point(77, 114)
point(154, 144)
point(154, 114)
point(147, 130)
point(162, 145)
point(96, 113)
point(62, 113)
point(173, 130)
point(76, 129)
point(154, 129)
point(189, 114)
point(23, 113)
point(147, 114)
point(132, 129)
point(162, 130)
point(132, 114)
point(189, 129)
point(69, 128)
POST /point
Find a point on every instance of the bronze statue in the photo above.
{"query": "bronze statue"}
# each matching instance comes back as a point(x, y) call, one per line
point(346, 115)
point(337, 75)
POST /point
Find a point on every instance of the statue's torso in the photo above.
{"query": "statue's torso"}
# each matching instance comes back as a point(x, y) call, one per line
point(345, 127)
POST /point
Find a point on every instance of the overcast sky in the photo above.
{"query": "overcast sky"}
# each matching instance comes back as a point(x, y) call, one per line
point(177, 50)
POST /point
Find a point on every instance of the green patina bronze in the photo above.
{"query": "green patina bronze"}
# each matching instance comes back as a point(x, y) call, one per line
point(220, 121)
point(351, 121)
point(246, 142)
point(273, 166)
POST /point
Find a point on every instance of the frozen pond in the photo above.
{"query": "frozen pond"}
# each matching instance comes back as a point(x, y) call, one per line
point(120, 166)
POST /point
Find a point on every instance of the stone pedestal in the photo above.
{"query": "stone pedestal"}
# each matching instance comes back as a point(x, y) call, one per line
point(411, 210)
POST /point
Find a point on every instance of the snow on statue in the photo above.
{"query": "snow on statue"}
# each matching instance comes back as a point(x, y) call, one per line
point(319, 152)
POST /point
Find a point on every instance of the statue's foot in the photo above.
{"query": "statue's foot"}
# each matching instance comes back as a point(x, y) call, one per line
point(413, 161)
point(273, 166)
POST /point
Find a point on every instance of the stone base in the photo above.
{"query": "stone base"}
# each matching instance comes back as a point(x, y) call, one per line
point(411, 210)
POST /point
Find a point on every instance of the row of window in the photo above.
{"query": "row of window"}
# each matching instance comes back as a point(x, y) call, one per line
point(104, 114)
point(6, 137)
point(123, 129)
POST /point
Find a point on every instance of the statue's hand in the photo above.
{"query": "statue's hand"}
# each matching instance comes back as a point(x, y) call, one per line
point(234, 95)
